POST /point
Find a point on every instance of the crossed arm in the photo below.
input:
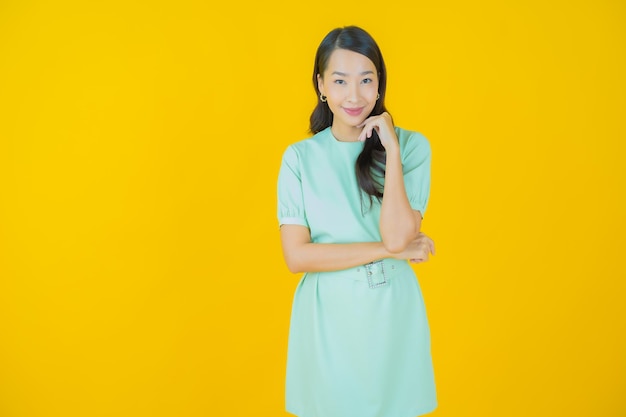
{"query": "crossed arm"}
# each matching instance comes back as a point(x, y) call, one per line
point(301, 255)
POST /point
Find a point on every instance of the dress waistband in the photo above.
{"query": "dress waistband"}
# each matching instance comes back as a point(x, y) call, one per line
point(375, 274)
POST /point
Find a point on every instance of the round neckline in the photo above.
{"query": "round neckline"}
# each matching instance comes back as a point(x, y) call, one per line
point(334, 139)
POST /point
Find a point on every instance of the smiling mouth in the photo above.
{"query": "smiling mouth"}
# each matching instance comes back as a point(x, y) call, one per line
point(353, 112)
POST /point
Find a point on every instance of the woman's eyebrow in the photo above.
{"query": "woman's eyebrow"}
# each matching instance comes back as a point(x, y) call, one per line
point(343, 74)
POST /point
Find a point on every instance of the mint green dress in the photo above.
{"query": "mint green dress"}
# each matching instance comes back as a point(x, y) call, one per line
point(359, 341)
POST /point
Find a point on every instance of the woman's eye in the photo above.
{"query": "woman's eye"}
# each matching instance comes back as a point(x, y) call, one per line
point(367, 81)
point(340, 82)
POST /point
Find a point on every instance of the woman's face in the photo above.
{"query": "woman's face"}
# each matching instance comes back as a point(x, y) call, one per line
point(350, 83)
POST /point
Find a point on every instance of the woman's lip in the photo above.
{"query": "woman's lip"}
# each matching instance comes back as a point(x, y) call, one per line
point(353, 112)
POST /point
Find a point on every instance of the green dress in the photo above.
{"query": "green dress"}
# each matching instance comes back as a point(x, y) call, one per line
point(359, 341)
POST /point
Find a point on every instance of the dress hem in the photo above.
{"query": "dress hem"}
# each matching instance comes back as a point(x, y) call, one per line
point(420, 412)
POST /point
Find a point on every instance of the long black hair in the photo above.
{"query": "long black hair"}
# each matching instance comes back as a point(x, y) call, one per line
point(370, 165)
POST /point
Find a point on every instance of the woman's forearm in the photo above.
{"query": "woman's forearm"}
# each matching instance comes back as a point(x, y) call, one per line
point(321, 257)
point(398, 223)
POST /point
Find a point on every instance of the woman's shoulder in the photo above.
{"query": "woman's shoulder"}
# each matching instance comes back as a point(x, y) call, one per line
point(410, 139)
point(305, 144)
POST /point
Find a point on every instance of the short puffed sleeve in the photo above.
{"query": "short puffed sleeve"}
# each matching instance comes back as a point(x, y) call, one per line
point(290, 193)
point(416, 169)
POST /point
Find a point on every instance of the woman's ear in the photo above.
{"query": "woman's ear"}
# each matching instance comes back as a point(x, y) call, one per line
point(320, 84)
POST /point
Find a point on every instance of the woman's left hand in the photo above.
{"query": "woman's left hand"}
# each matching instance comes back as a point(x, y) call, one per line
point(383, 126)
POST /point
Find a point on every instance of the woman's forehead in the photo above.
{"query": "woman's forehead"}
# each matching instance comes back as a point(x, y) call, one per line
point(349, 63)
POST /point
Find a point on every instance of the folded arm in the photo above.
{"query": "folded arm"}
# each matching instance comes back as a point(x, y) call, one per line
point(301, 255)
point(399, 223)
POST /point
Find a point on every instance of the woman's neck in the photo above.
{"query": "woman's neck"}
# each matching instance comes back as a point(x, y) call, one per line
point(345, 134)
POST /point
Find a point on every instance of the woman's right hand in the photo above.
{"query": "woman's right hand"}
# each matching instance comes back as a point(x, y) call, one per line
point(418, 250)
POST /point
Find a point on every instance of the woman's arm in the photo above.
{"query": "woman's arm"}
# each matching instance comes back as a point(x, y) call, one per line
point(399, 223)
point(301, 255)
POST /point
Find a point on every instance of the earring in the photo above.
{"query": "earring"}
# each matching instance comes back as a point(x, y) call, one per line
point(378, 96)
point(322, 98)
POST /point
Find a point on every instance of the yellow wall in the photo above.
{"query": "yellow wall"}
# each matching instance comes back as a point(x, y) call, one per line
point(140, 267)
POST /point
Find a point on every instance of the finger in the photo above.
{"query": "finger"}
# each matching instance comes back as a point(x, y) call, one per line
point(366, 133)
point(432, 247)
point(366, 121)
point(363, 135)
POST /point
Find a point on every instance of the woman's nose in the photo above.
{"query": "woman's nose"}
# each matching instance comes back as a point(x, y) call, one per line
point(353, 93)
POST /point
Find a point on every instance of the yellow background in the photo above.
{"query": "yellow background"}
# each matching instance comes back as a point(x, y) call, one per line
point(140, 267)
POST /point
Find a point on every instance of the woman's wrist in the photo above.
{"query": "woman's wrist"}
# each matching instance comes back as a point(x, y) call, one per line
point(393, 154)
